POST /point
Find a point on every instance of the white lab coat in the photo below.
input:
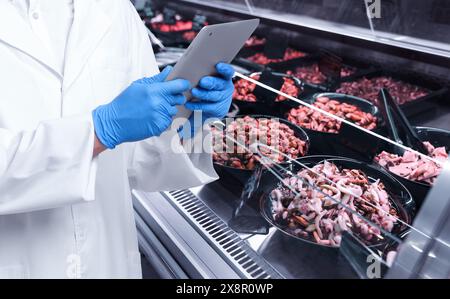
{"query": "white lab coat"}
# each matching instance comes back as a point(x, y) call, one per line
point(63, 213)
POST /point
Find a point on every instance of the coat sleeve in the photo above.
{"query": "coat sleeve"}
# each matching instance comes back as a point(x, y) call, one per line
point(47, 167)
point(164, 163)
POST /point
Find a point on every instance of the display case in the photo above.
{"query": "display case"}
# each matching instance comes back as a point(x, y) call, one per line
point(348, 190)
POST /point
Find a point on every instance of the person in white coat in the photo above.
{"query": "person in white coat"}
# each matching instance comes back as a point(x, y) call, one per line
point(76, 134)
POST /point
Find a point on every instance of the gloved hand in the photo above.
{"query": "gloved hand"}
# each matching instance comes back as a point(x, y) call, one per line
point(145, 109)
point(214, 95)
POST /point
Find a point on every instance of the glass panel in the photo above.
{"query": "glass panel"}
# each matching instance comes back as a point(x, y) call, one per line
point(424, 23)
point(358, 203)
point(417, 22)
point(327, 14)
point(333, 180)
point(240, 5)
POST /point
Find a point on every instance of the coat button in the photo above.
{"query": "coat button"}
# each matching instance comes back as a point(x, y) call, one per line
point(35, 15)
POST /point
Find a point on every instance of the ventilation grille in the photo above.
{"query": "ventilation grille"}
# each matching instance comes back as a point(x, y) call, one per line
point(226, 241)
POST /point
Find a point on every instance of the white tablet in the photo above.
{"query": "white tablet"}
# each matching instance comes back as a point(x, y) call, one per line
point(213, 44)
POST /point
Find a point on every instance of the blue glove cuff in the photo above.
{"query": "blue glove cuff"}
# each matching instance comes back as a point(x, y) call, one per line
point(99, 128)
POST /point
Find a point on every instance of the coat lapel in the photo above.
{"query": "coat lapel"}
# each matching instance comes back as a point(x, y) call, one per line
point(17, 33)
point(89, 27)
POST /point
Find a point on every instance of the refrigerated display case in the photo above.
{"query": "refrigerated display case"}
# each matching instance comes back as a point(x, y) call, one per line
point(230, 228)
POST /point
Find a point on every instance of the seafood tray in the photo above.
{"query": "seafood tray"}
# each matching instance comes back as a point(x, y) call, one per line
point(257, 199)
point(338, 184)
point(312, 120)
point(307, 70)
point(424, 91)
point(252, 99)
point(246, 128)
point(254, 41)
point(235, 164)
point(244, 90)
point(417, 175)
point(248, 55)
point(329, 137)
point(179, 34)
point(172, 39)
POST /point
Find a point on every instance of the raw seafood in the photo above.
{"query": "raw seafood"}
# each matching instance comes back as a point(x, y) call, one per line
point(255, 41)
point(248, 131)
point(243, 89)
point(413, 167)
point(189, 35)
point(311, 214)
point(290, 53)
point(312, 74)
point(368, 89)
point(317, 121)
point(178, 26)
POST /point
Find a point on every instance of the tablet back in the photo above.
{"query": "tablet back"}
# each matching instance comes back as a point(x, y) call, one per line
point(213, 44)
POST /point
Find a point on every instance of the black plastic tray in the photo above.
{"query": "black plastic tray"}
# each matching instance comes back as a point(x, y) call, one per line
point(248, 64)
point(348, 142)
point(437, 137)
point(418, 106)
point(237, 178)
point(171, 39)
point(250, 51)
point(400, 196)
point(291, 65)
point(276, 109)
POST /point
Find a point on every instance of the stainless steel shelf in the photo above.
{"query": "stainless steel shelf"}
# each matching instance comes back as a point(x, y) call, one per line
point(194, 227)
point(197, 243)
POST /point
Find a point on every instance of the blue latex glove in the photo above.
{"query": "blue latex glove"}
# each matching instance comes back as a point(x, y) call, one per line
point(145, 109)
point(214, 95)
